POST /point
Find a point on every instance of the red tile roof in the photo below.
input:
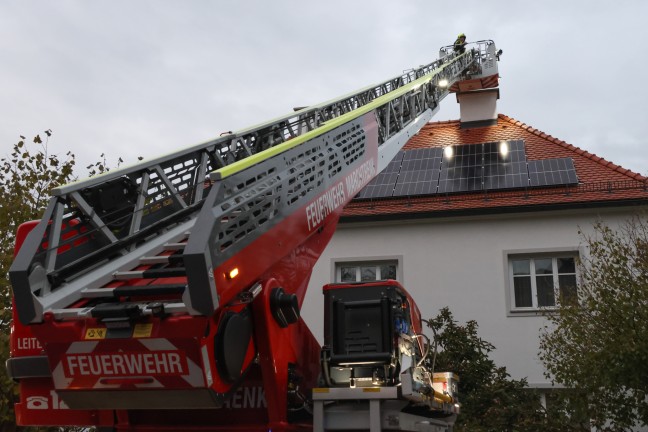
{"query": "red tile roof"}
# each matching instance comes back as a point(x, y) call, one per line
point(601, 183)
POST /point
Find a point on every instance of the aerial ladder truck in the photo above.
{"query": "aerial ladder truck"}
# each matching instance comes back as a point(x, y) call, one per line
point(166, 295)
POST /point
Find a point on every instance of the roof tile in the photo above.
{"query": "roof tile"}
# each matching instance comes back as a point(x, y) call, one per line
point(600, 181)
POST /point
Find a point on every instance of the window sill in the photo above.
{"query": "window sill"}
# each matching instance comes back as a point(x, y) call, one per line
point(530, 312)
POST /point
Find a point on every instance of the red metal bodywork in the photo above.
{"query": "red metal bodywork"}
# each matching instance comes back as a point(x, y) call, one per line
point(40, 404)
point(258, 403)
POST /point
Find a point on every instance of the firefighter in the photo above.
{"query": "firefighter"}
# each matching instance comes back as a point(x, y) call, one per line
point(460, 44)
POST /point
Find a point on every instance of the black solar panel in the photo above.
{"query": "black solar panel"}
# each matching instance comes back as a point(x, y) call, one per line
point(417, 183)
point(504, 151)
point(505, 165)
point(422, 159)
point(551, 172)
point(383, 184)
point(419, 172)
point(395, 165)
point(462, 171)
point(507, 175)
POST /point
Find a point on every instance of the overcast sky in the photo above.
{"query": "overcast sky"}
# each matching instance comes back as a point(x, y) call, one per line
point(129, 78)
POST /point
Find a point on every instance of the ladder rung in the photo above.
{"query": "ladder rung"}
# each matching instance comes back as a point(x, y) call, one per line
point(163, 259)
point(75, 313)
point(174, 246)
point(143, 290)
point(98, 292)
point(130, 291)
point(154, 260)
point(116, 310)
point(150, 273)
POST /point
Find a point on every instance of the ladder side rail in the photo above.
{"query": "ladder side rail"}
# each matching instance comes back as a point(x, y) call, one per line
point(22, 270)
point(393, 135)
point(451, 69)
point(318, 114)
point(239, 138)
point(136, 222)
point(246, 142)
point(54, 236)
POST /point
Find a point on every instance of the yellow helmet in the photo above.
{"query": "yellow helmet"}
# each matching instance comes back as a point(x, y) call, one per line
point(461, 35)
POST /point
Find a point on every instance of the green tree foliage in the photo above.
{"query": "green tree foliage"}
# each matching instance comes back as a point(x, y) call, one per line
point(599, 345)
point(28, 174)
point(490, 399)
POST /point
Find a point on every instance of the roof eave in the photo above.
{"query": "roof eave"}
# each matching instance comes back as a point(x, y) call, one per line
point(484, 211)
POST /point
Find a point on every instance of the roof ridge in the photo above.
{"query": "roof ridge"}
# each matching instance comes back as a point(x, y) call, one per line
point(608, 164)
point(440, 123)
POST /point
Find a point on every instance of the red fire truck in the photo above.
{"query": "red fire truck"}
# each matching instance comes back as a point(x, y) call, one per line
point(166, 295)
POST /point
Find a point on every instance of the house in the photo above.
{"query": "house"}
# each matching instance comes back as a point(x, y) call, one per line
point(484, 220)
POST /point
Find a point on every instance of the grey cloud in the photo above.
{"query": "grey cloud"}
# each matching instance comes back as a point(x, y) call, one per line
point(142, 78)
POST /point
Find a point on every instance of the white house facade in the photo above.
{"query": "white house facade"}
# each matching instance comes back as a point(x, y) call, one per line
point(498, 256)
point(465, 263)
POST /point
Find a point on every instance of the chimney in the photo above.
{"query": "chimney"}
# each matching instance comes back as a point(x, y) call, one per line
point(477, 105)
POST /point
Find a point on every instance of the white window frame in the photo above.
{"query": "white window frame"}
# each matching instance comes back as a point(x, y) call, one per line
point(338, 263)
point(534, 309)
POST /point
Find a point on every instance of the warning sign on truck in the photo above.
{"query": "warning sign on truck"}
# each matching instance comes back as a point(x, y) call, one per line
point(125, 364)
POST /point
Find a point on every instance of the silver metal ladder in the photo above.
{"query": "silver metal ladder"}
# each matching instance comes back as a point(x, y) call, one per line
point(100, 230)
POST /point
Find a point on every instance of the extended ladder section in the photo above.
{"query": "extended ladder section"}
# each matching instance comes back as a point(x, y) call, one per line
point(179, 217)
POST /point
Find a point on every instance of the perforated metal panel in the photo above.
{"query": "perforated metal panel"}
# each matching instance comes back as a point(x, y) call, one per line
point(261, 196)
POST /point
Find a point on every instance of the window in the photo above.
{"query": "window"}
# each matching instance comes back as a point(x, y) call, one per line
point(541, 281)
point(366, 271)
point(569, 402)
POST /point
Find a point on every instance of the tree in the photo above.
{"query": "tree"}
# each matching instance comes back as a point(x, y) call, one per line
point(598, 345)
point(490, 399)
point(28, 175)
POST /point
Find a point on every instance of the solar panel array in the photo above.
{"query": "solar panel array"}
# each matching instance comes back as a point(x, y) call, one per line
point(498, 165)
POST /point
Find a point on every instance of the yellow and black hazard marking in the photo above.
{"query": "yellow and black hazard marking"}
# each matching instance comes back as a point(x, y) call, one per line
point(95, 333)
